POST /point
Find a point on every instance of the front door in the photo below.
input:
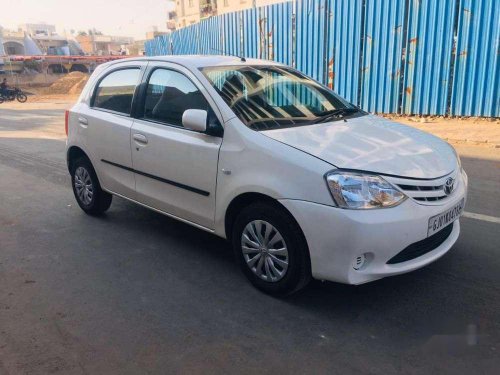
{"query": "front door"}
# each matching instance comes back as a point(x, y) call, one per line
point(175, 168)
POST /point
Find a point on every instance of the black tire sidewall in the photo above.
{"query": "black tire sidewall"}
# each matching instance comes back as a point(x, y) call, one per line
point(84, 164)
point(23, 96)
point(298, 254)
point(95, 206)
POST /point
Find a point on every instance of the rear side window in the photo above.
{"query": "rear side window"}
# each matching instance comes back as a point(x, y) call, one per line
point(169, 94)
point(116, 90)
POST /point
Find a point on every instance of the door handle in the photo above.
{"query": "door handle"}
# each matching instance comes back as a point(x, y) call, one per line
point(83, 121)
point(139, 138)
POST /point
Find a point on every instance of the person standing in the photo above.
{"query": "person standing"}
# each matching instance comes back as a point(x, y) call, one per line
point(3, 87)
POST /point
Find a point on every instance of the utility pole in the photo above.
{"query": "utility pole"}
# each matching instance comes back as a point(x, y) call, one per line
point(92, 32)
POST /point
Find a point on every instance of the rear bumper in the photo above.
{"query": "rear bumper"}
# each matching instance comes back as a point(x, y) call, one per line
point(336, 237)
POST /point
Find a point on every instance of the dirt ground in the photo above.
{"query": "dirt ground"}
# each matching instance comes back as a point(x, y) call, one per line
point(457, 130)
point(67, 88)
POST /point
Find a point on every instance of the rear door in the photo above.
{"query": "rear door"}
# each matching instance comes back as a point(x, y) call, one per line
point(108, 122)
point(176, 168)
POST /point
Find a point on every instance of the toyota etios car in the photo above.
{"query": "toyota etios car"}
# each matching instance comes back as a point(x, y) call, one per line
point(300, 181)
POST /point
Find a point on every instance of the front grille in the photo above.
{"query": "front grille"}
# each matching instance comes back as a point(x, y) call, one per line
point(422, 247)
point(425, 191)
point(429, 199)
point(429, 193)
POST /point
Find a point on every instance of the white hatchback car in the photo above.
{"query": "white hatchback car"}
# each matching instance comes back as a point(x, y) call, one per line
point(300, 181)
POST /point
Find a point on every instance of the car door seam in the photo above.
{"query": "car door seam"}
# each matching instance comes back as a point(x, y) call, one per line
point(161, 179)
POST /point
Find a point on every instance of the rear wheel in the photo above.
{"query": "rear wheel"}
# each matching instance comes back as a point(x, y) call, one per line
point(21, 98)
point(271, 249)
point(88, 193)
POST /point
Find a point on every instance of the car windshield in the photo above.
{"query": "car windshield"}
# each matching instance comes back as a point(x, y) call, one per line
point(273, 97)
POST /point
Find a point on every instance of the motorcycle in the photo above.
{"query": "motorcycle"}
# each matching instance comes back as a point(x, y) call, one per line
point(13, 94)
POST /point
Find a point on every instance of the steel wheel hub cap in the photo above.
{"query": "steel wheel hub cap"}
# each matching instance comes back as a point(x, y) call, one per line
point(83, 186)
point(264, 250)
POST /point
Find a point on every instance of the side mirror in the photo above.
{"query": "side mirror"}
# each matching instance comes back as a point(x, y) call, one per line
point(195, 119)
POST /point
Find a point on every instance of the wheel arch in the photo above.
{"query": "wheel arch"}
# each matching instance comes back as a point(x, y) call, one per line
point(243, 200)
point(73, 153)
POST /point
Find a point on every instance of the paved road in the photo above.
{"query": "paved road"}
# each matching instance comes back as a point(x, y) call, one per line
point(136, 292)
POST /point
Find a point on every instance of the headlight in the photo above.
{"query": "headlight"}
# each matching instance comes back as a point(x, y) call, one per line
point(362, 191)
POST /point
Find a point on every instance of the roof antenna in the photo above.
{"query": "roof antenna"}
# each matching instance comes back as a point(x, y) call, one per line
point(242, 58)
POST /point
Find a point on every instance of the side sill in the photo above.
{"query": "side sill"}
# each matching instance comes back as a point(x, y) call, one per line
point(163, 212)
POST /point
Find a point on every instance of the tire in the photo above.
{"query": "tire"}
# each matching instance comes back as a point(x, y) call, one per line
point(21, 98)
point(1, 99)
point(287, 279)
point(91, 198)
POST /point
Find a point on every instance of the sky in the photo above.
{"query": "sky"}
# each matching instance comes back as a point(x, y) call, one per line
point(115, 17)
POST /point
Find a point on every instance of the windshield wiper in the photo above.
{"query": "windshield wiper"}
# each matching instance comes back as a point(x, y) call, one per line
point(335, 114)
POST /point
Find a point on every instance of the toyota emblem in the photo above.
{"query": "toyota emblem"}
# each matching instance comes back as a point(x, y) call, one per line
point(448, 185)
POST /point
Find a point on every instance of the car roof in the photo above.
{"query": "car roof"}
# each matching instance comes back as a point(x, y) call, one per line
point(201, 61)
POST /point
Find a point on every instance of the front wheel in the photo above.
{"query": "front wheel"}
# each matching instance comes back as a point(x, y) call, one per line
point(88, 193)
point(21, 98)
point(271, 249)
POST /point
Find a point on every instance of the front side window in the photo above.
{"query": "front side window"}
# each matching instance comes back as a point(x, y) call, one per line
point(116, 90)
point(271, 97)
point(169, 94)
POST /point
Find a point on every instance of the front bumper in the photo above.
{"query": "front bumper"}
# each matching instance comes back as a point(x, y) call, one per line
point(337, 236)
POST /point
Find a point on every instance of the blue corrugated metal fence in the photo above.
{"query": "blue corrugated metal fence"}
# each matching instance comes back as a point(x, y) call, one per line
point(428, 57)
point(429, 49)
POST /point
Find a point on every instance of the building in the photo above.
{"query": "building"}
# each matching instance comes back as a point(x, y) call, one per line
point(188, 12)
point(153, 33)
point(228, 6)
point(38, 29)
point(37, 39)
point(12, 42)
point(137, 48)
point(104, 45)
point(49, 41)
point(56, 45)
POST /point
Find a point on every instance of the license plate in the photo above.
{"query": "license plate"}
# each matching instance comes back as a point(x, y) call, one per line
point(438, 222)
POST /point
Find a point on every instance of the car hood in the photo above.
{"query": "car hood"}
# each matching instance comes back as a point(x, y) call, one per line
point(374, 144)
